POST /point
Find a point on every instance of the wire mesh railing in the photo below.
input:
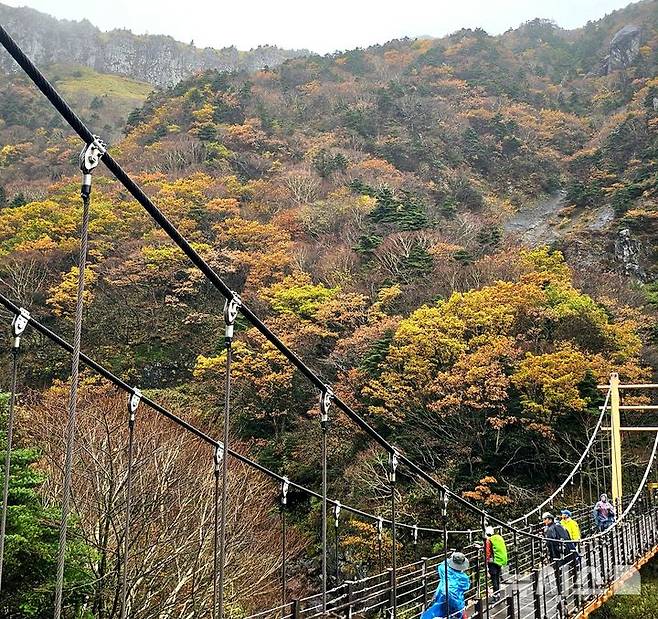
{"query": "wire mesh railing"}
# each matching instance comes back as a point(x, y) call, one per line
point(536, 589)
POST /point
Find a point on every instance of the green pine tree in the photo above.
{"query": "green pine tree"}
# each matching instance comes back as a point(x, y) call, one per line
point(30, 559)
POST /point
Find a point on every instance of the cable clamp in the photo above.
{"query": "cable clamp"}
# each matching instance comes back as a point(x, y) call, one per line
point(133, 403)
point(285, 484)
point(326, 397)
point(90, 157)
point(18, 326)
point(218, 457)
point(337, 507)
point(393, 461)
point(231, 310)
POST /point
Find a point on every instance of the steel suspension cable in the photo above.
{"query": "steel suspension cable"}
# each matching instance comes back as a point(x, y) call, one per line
point(5, 481)
point(325, 402)
point(72, 407)
point(393, 463)
point(598, 453)
point(105, 373)
point(285, 484)
point(337, 544)
point(133, 403)
point(18, 327)
point(218, 455)
point(574, 470)
point(231, 309)
point(606, 448)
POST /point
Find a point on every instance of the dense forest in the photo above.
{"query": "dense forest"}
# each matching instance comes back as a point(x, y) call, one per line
point(459, 234)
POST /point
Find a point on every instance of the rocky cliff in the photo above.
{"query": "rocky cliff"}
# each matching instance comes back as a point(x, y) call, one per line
point(159, 60)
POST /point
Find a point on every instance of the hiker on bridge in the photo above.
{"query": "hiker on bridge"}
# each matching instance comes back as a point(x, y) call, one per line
point(496, 554)
point(570, 525)
point(604, 513)
point(454, 607)
point(554, 533)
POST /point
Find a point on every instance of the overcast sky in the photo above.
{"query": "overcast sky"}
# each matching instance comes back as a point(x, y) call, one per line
point(322, 27)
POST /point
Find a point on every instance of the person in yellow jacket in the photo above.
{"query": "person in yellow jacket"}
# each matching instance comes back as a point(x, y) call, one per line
point(570, 525)
point(572, 528)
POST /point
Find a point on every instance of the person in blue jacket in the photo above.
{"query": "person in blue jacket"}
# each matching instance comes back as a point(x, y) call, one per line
point(458, 584)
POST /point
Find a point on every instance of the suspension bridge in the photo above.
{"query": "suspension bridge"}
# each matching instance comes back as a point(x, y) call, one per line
point(573, 585)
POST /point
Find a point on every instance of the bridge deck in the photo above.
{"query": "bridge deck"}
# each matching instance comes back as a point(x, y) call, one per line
point(530, 589)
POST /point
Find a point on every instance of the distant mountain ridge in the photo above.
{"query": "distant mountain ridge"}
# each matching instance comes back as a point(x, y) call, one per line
point(157, 59)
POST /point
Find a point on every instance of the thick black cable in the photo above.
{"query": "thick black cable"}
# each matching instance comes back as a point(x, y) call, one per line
point(158, 216)
point(7, 473)
point(218, 457)
point(78, 126)
point(129, 486)
point(324, 517)
point(72, 407)
point(224, 506)
point(336, 545)
point(394, 555)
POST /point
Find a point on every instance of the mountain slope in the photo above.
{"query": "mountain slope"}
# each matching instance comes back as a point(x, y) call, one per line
point(371, 207)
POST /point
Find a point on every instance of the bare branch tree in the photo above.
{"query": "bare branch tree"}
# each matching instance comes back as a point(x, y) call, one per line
point(170, 567)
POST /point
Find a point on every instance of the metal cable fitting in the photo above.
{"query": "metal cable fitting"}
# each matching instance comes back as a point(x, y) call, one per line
point(285, 485)
point(337, 507)
point(326, 396)
point(18, 326)
point(393, 462)
point(231, 310)
point(218, 456)
point(133, 403)
point(90, 157)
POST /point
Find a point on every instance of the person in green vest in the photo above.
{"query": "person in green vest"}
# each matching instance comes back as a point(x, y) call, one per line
point(496, 556)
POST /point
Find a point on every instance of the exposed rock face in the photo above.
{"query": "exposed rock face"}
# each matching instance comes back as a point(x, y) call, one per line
point(627, 253)
point(624, 47)
point(159, 60)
